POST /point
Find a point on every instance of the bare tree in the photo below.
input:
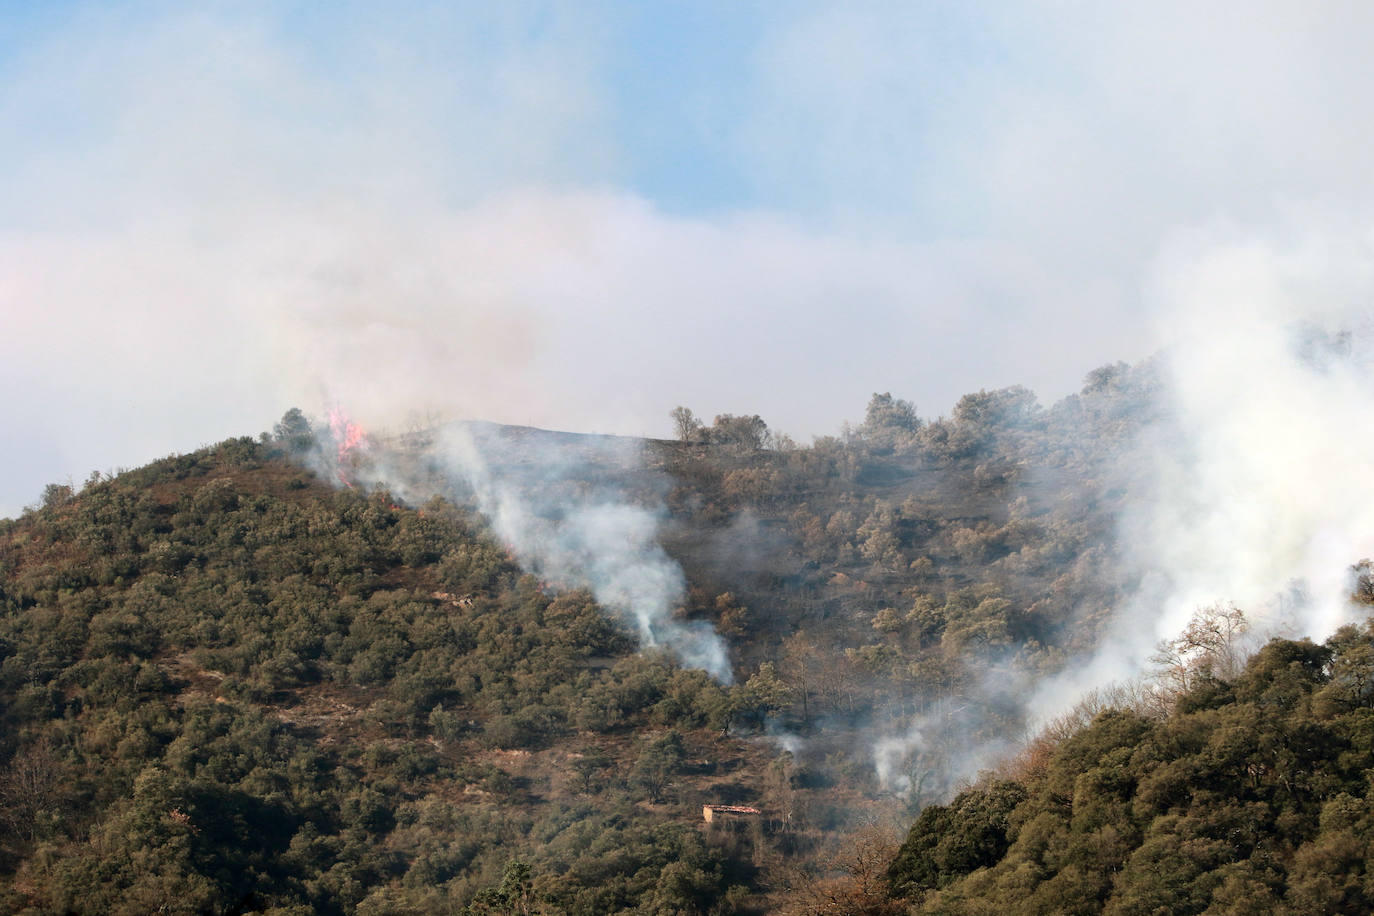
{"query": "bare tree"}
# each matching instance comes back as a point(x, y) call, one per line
point(29, 787)
point(686, 426)
point(1211, 645)
point(852, 881)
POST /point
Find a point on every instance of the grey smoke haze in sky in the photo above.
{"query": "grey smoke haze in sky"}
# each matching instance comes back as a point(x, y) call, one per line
point(533, 217)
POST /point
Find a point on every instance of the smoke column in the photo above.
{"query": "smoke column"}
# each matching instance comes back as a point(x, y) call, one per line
point(593, 536)
point(1271, 380)
point(1256, 486)
point(560, 505)
point(1253, 488)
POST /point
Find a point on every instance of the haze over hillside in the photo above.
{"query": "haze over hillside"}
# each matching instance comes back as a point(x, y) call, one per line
point(477, 668)
point(580, 220)
point(842, 531)
point(1188, 503)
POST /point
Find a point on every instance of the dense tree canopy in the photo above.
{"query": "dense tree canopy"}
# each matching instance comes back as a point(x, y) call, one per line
point(1252, 796)
point(229, 688)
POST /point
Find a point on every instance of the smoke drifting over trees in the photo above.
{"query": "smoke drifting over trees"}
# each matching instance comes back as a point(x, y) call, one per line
point(1249, 486)
point(1232, 468)
point(877, 619)
point(575, 220)
point(1226, 469)
point(562, 506)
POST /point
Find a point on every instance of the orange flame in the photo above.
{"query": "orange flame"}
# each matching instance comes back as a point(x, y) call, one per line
point(349, 438)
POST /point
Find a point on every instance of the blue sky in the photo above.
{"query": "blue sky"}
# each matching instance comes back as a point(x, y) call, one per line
point(582, 215)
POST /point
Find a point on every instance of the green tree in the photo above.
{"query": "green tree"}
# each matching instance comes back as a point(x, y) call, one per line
point(57, 495)
point(588, 766)
point(514, 896)
point(950, 841)
point(888, 421)
point(293, 431)
point(743, 435)
point(659, 761)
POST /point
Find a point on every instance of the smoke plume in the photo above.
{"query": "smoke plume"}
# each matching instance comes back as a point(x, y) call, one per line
point(1248, 488)
point(571, 525)
point(1253, 489)
point(563, 506)
point(1267, 489)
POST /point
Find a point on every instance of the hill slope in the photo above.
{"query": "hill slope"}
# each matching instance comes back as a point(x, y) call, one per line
point(231, 684)
point(230, 688)
point(1251, 797)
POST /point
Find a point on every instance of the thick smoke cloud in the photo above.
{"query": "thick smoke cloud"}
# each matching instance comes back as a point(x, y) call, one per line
point(213, 214)
point(560, 309)
point(1264, 500)
point(1254, 487)
point(1250, 490)
point(508, 212)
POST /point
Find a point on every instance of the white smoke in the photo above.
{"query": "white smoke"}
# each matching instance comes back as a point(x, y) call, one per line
point(1255, 488)
point(930, 755)
point(1271, 381)
point(560, 503)
point(573, 534)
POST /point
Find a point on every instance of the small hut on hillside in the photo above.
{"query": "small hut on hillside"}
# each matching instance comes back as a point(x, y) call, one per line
point(710, 812)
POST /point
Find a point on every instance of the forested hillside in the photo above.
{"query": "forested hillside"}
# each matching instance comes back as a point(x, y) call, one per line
point(229, 687)
point(1250, 796)
point(911, 571)
point(302, 673)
